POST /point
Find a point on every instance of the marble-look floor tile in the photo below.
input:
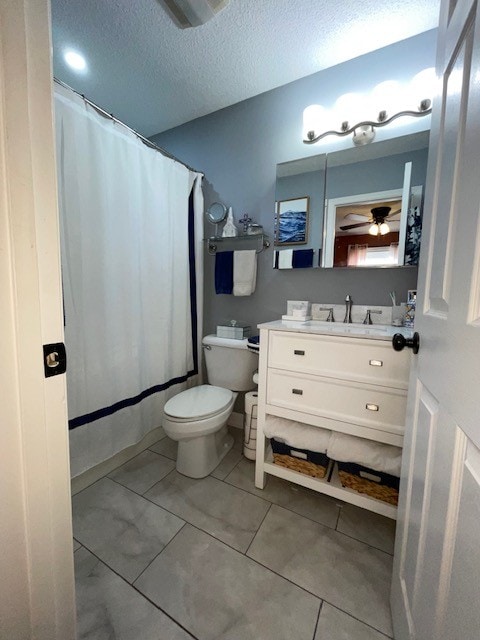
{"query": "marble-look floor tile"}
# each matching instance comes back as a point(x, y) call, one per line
point(166, 447)
point(143, 471)
point(76, 545)
point(345, 572)
point(228, 463)
point(108, 608)
point(121, 528)
point(161, 434)
point(305, 502)
point(229, 514)
point(334, 624)
point(219, 594)
point(369, 527)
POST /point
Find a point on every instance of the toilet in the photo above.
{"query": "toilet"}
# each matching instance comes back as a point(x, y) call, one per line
point(197, 418)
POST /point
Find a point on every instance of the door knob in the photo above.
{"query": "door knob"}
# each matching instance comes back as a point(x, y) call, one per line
point(399, 342)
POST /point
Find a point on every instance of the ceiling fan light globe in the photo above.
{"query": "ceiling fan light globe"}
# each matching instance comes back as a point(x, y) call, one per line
point(384, 229)
point(373, 231)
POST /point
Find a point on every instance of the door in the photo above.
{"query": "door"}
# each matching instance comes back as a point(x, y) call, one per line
point(436, 584)
point(36, 558)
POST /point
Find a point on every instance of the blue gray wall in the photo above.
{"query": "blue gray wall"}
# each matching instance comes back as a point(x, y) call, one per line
point(238, 148)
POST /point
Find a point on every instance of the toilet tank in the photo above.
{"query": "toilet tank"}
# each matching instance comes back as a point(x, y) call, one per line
point(230, 364)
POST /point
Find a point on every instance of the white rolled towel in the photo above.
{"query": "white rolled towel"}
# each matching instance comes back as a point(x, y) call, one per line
point(244, 272)
point(368, 453)
point(297, 434)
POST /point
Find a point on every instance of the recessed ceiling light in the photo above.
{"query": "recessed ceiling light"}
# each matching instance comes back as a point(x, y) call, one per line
point(75, 60)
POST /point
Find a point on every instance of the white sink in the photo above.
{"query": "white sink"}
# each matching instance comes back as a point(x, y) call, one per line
point(345, 325)
point(353, 327)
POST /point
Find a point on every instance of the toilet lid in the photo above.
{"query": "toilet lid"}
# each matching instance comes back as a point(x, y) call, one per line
point(198, 402)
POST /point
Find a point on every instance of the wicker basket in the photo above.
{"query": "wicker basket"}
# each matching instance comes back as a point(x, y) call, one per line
point(375, 484)
point(310, 463)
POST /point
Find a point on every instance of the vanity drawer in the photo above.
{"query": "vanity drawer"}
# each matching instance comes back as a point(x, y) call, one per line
point(357, 403)
point(365, 360)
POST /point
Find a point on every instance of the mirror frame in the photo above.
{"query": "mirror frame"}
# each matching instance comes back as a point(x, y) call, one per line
point(220, 217)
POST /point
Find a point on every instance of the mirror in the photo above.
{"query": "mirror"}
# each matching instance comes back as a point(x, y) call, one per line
point(300, 198)
point(388, 174)
point(216, 212)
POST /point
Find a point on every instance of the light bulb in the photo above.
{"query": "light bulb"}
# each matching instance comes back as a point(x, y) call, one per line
point(352, 108)
point(314, 120)
point(384, 229)
point(423, 86)
point(74, 60)
point(388, 96)
point(373, 231)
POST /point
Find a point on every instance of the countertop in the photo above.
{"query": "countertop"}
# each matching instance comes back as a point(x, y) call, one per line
point(352, 330)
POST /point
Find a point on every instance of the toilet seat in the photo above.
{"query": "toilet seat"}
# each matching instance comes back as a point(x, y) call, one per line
point(198, 403)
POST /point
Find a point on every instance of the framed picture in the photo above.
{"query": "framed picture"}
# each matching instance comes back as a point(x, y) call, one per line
point(291, 221)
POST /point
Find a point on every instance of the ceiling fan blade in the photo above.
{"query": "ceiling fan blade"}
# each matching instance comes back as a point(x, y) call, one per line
point(394, 213)
point(355, 226)
point(356, 216)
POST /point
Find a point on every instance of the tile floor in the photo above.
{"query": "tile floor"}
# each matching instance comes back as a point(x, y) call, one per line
point(162, 557)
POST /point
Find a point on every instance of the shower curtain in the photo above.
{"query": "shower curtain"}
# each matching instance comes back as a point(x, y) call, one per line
point(131, 229)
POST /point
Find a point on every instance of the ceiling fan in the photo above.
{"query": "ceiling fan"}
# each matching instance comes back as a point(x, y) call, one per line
point(376, 221)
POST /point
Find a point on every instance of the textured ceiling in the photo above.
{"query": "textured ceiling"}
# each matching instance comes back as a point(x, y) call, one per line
point(155, 76)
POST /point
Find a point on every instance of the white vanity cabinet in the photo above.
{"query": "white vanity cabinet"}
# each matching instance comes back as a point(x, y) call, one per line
point(341, 377)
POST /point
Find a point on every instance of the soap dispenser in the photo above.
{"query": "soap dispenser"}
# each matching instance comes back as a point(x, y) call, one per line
point(230, 230)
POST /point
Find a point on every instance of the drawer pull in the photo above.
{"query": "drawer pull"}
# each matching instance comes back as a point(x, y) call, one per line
point(297, 392)
point(376, 363)
point(299, 352)
point(372, 407)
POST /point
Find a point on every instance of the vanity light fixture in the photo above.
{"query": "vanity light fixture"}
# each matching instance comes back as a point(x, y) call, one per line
point(316, 117)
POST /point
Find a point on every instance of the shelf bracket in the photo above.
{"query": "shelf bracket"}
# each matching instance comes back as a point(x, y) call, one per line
point(263, 242)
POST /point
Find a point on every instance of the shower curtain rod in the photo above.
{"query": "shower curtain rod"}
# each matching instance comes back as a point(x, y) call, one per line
point(145, 141)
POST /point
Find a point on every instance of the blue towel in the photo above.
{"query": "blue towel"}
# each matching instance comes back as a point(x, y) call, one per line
point(224, 272)
point(302, 258)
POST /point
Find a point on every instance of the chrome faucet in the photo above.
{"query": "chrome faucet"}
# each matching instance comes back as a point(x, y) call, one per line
point(348, 309)
point(368, 317)
point(331, 317)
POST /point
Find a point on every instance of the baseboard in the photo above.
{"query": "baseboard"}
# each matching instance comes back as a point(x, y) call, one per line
point(236, 420)
point(90, 476)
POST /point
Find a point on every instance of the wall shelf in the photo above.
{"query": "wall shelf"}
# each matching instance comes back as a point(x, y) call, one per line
point(245, 241)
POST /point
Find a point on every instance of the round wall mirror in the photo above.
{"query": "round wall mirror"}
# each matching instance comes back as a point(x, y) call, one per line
point(216, 212)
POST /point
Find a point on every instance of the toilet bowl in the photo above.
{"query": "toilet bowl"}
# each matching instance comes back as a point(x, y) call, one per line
point(197, 418)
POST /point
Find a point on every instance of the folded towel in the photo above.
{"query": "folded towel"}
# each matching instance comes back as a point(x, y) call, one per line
point(285, 258)
point(302, 258)
point(224, 272)
point(244, 272)
point(374, 455)
point(297, 434)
